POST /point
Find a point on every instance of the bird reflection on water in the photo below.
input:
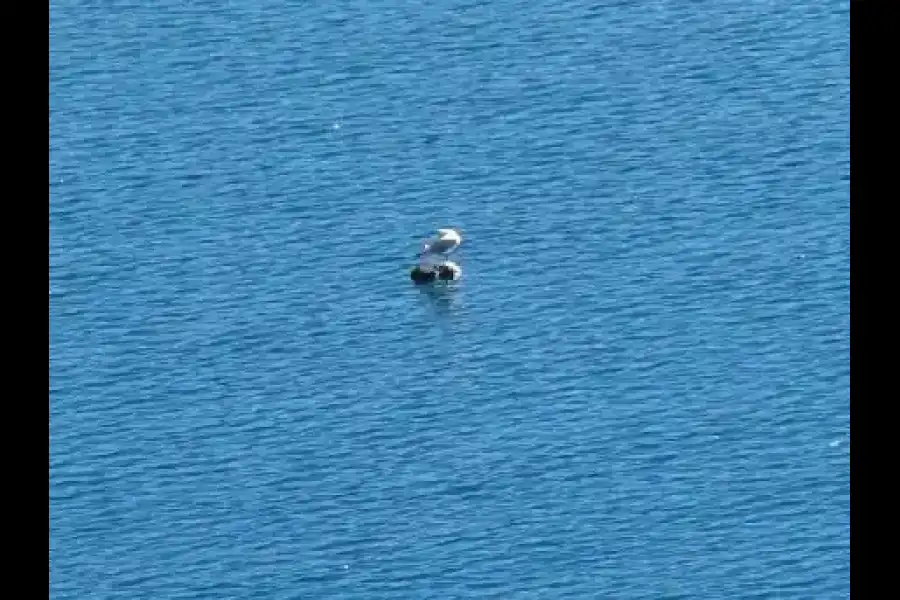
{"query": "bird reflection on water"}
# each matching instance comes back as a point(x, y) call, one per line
point(442, 298)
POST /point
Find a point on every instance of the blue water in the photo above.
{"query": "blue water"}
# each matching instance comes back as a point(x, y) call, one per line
point(639, 388)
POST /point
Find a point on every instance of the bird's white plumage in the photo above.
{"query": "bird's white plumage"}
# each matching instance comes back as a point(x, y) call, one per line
point(445, 242)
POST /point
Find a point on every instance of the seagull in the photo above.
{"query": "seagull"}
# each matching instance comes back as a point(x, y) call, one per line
point(446, 242)
point(433, 263)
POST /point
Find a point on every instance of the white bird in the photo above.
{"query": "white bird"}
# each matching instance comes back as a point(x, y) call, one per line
point(446, 242)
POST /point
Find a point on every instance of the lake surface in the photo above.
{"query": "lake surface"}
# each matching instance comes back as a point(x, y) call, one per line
point(638, 389)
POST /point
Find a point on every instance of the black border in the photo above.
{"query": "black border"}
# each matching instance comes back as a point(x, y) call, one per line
point(862, 20)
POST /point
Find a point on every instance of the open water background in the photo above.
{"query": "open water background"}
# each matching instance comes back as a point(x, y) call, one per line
point(639, 389)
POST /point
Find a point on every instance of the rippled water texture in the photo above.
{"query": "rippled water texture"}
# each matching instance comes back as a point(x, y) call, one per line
point(638, 389)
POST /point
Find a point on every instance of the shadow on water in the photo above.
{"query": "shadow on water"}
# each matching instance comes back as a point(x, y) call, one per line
point(442, 298)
